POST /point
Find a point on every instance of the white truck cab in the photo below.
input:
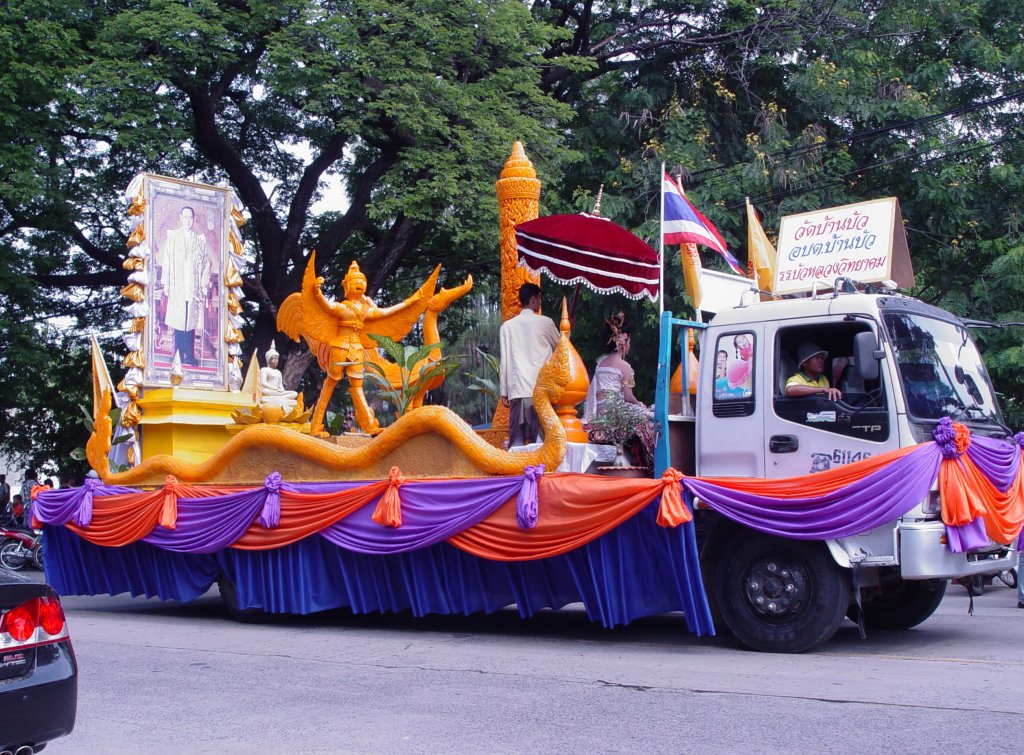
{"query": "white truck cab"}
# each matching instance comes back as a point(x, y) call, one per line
point(901, 365)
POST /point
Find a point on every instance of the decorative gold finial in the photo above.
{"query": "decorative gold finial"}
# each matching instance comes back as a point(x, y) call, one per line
point(597, 204)
point(177, 373)
point(518, 164)
point(575, 390)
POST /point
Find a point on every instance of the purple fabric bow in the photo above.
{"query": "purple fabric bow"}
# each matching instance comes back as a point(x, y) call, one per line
point(526, 506)
point(83, 515)
point(945, 435)
point(270, 516)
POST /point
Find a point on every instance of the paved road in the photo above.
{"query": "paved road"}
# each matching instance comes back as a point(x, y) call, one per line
point(159, 677)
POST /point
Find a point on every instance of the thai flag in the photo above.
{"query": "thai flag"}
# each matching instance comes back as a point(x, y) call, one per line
point(682, 223)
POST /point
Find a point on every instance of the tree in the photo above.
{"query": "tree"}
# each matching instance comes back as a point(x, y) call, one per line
point(412, 106)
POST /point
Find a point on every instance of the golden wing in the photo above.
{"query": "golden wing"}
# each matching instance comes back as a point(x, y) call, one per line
point(289, 316)
point(396, 322)
point(319, 324)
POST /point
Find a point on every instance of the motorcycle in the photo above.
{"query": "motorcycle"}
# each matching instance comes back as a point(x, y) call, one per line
point(21, 547)
point(975, 585)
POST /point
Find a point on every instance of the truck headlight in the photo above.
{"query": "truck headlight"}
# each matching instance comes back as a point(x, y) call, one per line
point(932, 504)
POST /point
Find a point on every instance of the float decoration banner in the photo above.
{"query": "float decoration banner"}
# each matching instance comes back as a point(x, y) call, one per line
point(187, 229)
point(865, 242)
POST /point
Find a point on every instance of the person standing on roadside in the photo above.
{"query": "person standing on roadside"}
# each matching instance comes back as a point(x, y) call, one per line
point(527, 342)
point(29, 482)
point(5, 501)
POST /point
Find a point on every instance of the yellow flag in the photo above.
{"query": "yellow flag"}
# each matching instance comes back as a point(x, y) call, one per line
point(690, 258)
point(760, 251)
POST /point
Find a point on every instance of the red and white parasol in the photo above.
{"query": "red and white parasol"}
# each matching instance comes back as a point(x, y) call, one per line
point(590, 250)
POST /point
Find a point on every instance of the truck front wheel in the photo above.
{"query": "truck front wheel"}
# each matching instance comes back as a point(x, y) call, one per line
point(778, 595)
point(902, 604)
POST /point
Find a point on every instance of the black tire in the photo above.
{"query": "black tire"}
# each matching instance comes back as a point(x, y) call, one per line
point(975, 585)
point(37, 556)
point(902, 604)
point(1008, 577)
point(778, 595)
point(229, 594)
point(10, 556)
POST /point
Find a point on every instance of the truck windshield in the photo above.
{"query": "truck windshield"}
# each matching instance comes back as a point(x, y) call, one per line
point(941, 370)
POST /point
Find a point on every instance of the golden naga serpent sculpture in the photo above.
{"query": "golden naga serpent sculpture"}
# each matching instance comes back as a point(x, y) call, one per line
point(426, 419)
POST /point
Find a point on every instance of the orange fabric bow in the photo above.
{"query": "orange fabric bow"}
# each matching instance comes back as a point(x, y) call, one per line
point(169, 510)
point(672, 511)
point(389, 510)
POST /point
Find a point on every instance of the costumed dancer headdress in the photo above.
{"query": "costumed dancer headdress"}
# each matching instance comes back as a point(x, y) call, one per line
point(619, 336)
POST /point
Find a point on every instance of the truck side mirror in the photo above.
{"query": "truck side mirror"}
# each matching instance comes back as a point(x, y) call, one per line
point(866, 355)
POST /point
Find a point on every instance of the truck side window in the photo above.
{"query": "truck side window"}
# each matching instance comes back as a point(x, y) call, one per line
point(734, 375)
point(862, 412)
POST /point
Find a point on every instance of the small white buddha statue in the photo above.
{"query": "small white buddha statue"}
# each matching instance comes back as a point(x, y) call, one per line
point(272, 392)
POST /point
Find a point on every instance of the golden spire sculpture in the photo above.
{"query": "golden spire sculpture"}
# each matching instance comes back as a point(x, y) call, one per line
point(575, 390)
point(518, 201)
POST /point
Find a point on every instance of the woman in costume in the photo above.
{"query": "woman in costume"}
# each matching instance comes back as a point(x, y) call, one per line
point(611, 393)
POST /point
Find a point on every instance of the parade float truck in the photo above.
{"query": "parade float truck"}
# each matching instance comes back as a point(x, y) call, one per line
point(777, 516)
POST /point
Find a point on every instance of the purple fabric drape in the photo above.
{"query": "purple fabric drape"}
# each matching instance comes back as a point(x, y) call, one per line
point(967, 537)
point(431, 513)
point(865, 504)
point(998, 460)
point(208, 525)
point(526, 506)
point(64, 505)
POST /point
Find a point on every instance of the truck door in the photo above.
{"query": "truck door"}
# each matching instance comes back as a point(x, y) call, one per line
point(810, 434)
point(730, 430)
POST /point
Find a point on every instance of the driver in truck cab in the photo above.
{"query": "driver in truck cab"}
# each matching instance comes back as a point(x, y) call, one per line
point(810, 379)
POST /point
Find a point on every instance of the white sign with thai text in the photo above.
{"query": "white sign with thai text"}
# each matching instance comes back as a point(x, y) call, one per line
point(853, 241)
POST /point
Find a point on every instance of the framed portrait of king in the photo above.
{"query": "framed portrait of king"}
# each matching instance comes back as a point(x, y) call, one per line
point(186, 227)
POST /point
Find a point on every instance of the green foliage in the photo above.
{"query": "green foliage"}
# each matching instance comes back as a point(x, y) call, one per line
point(415, 367)
point(483, 383)
point(411, 107)
point(78, 453)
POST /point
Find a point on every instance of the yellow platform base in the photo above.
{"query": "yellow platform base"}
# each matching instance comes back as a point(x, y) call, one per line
point(185, 423)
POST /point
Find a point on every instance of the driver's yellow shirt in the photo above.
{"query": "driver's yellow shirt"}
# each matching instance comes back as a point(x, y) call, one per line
point(801, 379)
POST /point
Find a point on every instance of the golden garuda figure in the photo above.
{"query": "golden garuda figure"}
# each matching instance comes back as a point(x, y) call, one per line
point(337, 332)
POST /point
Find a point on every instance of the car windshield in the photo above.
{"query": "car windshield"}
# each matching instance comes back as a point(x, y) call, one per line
point(941, 370)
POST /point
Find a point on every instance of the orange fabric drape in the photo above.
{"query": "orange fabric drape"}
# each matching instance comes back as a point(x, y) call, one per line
point(305, 514)
point(574, 509)
point(121, 519)
point(966, 494)
point(817, 484)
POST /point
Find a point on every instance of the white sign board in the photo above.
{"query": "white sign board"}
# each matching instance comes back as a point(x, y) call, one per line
point(854, 241)
point(722, 291)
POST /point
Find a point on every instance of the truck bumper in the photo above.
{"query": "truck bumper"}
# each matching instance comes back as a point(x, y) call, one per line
point(923, 554)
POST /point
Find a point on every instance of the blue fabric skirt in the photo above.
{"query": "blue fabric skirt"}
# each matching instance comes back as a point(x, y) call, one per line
point(638, 569)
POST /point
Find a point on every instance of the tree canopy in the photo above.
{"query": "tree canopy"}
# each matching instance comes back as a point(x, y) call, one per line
point(412, 105)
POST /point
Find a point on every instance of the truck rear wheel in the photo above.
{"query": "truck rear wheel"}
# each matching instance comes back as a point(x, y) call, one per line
point(778, 595)
point(229, 594)
point(902, 604)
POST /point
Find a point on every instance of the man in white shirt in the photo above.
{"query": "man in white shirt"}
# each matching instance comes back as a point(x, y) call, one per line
point(185, 279)
point(527, 342)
